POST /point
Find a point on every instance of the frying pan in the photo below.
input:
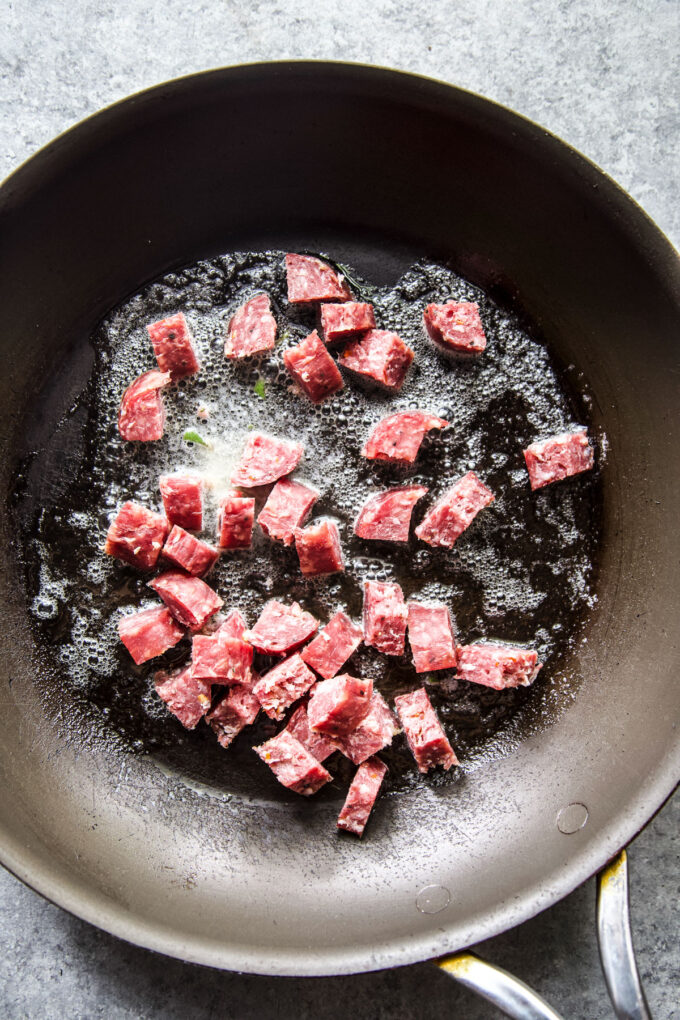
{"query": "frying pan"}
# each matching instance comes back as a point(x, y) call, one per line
point(379, 167)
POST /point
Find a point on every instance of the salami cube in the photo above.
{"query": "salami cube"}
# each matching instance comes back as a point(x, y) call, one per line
point(286, 508)
point(338, 705)
point(221, 659)
point(316, 743)
point(431, 637)
point(186, 697)
point(455, 511)
point(190, 600)
point(375, 731)
point(265, 460)
point(559, 457)
point(142, 416)
point(251, 330)
point(455, 327)
point(313, 369)
point(380, 356)
point(310, 279)
point(183, 500)
point(318, 548)
point(173, 346)
point(338, 322)
point(497, 666)
point(281, 629)
point(292, 764)
point(283, 685)
point(237, 515)
point(424, 734)
point(189, 553)
point(237, 709)
point(136, 536)
point(398, 437)
point(386, 516)
point(149, 633)
point(385, 617)
point(362, 796)
point(332, 646)
point(233, 625)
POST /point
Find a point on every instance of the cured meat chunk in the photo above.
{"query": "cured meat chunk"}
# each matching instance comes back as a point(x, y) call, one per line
point(559, 457)
point(379, 355)
point(190, 600)
point(375, 731)
point(398, 437)
point(183, 500)
point(188, 552)
point(221, 658)
point(136, 536)
point(281, 629)
point(455, 511)
point(237, 515)
point(292, 764)
point(313, 369)
point(233, 625)
point(431, 637)
point(318, 548)
point(142, 415)
point(237, 709)
point(362, 796)
point(338, 705)
point(252, 329)
point(265, 460)
point(333, 645)
point(385, 616)
point(424, 734)
point(310, 279)
point(149, 633)
point(186, 697)
point(283, 685)
point(497, 666)
point(386, 516)
point(287, 506)
point(173, 346)
point(338, 322)
point(316, 743)
point(456, 327)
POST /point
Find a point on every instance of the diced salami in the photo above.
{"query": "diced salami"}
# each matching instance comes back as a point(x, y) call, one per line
point(456, 327)
point(318, 548)
point(221, 659)
point(149, 633)
point(424, 734)
point(173, 346)
point(187, 698)
point(375, 731)
point(455, 511)
point(338, 322)
point(558, 457)
point(316, 743)
point(189, 553)
point(386, 516)
point(380, 356)
point(265, 460)
point(237, 709)
point(310, 279)
point(233, 625)
point(236, 518)
point(333, 645)
point(286, 508)
point(385, 617)
point(252, 329)
point(183, 500)
point(190, 600)
point(362, 796)
point(136, 536)
point(313, 369)
point(398, 437)
point(292, 764)
point(142, 415)
point(283, 685)
point(497, 666)
point(430, 634)
point(338, 705)
point(281, 629)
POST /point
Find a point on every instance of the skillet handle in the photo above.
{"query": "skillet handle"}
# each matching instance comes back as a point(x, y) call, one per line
point(616, 943)
point(498, 987)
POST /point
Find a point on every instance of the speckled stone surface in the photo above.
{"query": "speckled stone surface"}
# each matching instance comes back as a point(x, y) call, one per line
point(603, 77)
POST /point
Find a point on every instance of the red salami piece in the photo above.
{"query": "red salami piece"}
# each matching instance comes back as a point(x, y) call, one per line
point(398, 437)
point(265, 460)
point(237, 514)
point(318, 548)
point(281, 629)
point(380, 356)
point(338, 322)
point(424, 734)
point(431, 637)
point(386, 516)
point(173, 346)
point(316, 743)
point(333, 645)
point(233, 625)
point(313, 369)
point(278, 689)
point(455, 511)
point(292, 764)
point(142, 415)
point(221, 659)
point(189, 599)
point(187, 698)
point(559, 457)
point(252, 329)
point(310, 279)
point(149, 633)
point(237, 709)
point(189, 553)
point(183, 500)
point(375, 731)
point(385, 616)
point(497, 666)
point(338, 705)
point(362, 796)
point(286, 508)
point(136, 536)
point(456, 327)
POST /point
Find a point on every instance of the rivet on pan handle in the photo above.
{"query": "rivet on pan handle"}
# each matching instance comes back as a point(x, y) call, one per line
point(508, 993)
point(616, 943)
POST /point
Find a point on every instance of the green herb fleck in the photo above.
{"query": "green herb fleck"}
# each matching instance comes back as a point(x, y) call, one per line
point(432, 679)
point(259, 388)
point(191, 436)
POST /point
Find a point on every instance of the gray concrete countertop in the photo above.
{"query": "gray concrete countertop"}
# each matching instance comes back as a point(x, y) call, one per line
point(605, 78)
